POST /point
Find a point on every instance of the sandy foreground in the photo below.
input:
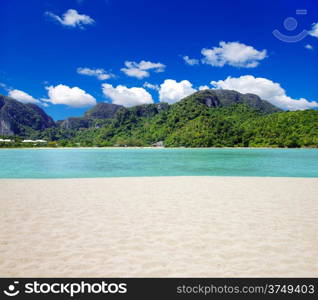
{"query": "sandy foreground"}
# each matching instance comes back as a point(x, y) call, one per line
point(159, 227)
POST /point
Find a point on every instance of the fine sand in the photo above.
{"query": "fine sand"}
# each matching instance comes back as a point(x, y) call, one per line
point(159, 227)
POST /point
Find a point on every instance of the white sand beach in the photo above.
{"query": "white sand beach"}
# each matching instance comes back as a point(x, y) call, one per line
point(159, 227)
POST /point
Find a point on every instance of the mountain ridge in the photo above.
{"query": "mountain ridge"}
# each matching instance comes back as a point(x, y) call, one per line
point(219, 97)
point(17, 118)
point(209, 118)
point(211, 98)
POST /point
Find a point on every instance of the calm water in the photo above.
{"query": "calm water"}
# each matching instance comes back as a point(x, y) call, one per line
point(75, 163)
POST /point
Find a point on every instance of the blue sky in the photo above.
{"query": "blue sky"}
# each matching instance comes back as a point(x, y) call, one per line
point(51, 49)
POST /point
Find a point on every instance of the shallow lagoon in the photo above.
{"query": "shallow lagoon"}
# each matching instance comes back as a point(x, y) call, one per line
point(135, 162)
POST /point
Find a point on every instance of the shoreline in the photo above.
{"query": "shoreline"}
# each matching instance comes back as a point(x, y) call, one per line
point(154, 177)
point(159, 227)
point(73, 148)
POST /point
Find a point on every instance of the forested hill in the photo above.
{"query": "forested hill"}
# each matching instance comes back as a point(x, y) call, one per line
point(210, 118)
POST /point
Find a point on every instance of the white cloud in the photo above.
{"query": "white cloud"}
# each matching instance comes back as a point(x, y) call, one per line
point(190, 61)
point(234, 54)
point(22, 96)
point(172, 91)
point(100, 74)
point(151, 86)
point(266, 89)
point(125, 96)
point(141, 69)
point(203, 87)
point(4, 86)
point(72, 19)
point(135, 72)
point(74, 97)
point(314, 30)
point(308, 46)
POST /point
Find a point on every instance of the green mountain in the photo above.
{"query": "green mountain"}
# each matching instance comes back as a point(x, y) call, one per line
point(103, 110)
point(100, 111)
point(216, 98)
point(210, 118)
point(21, 119)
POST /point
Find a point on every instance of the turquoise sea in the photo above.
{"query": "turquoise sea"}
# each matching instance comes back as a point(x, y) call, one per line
point(127, 162)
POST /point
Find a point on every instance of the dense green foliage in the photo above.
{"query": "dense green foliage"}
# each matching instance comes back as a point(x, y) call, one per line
point(204, 119)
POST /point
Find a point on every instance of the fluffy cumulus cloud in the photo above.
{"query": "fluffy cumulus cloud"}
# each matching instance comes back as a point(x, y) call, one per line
point(266, 89)
point(314, 30)
point(203, 87)
point(151, 86)
point(22, 97)
point(141, 70)
point(234, 54)
point(309, 47)
point(125, 96)
point(172, 91)
point(100, 74)
point(74, 97)
point(72, 19)
point(190, 61)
